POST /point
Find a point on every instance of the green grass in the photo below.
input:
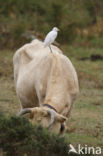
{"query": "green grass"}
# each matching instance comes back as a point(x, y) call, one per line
point(85, 125)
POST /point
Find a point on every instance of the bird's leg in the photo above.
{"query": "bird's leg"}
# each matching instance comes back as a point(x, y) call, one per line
point(50, 48)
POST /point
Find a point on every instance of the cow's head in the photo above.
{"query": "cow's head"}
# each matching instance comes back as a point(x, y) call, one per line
point(46, 117)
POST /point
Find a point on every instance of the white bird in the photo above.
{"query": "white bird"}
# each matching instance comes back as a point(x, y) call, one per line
point(50, 38)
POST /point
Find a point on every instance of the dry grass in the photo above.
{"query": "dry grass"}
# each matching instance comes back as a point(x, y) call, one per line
point(86, 123)
point(8, 98)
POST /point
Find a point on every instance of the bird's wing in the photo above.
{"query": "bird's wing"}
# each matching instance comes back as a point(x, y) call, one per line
point(51, 36)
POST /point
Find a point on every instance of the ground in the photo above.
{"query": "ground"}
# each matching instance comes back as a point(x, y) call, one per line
point(85, 125)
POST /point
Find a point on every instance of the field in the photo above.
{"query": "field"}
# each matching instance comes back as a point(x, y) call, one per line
point(85, 125)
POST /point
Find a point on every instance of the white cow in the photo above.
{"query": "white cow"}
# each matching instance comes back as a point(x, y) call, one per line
point(46, 84)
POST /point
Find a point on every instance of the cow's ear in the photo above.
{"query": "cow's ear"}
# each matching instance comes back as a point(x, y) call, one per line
point(61, 118)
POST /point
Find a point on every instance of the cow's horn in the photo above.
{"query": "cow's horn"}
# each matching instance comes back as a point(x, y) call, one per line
point(52, 114)
point(25, 111)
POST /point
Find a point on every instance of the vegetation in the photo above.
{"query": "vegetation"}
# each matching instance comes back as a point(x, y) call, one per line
point(18, 137)
point(19, 19)
point(81, 38)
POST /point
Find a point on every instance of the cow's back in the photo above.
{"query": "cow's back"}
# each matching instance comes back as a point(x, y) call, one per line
point(41, 75)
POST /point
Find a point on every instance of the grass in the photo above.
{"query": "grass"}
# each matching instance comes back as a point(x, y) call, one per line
point(8, 98)
point(85, 125)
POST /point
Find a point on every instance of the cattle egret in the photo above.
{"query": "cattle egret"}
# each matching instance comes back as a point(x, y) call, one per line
point(50, 38)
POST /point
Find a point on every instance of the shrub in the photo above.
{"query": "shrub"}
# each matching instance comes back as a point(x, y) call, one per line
point(19, 137)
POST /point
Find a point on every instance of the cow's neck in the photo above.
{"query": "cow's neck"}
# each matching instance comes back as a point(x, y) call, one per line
point(51, 107)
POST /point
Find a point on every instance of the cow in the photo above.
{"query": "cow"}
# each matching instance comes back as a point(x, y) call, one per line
point(46, 84)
